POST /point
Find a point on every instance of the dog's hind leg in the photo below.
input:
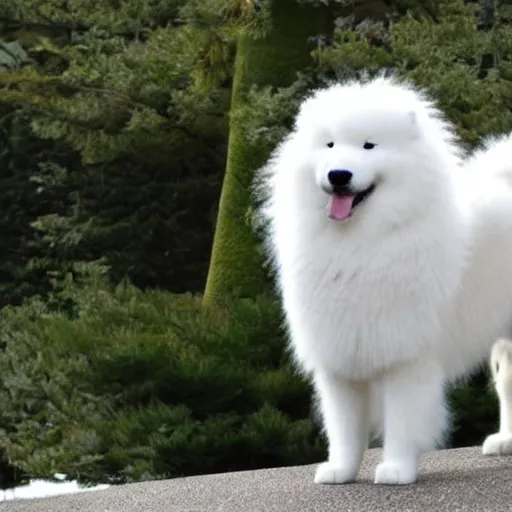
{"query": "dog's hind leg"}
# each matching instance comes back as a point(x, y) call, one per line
point(501, 367)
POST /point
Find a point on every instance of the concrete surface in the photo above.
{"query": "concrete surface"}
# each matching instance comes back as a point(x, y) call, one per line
point(450, 481)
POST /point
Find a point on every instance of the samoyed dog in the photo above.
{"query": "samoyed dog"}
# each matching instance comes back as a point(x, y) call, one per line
point(394, 262)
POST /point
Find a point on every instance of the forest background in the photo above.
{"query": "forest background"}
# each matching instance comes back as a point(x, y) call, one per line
point(141, 337)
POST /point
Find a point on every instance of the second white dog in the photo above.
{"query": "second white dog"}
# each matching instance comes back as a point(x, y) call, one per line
point(394, 263)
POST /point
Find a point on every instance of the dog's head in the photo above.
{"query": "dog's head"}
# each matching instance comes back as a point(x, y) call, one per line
point(374, 148)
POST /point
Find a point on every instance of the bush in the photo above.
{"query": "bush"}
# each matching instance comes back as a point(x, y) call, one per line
point(144, 385)
point(139, 385)
point(475, 410)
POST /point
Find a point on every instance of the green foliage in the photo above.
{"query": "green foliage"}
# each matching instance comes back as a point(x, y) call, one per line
point(148, 224)
point(25, 260)
point(459, 51)
point(140, 92)
point(146, 385)
point(476, 410)
point(122, 80)
point(136, 218)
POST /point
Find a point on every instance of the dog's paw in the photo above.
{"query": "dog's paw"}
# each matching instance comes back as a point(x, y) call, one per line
point(498, 444)
point(329, 473)
point(396, 473)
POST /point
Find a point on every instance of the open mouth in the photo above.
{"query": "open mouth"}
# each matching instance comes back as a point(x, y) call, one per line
point(343, 202)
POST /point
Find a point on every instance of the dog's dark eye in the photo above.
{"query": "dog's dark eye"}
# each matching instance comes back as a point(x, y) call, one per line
point(497, 367)
point(330, 144)
point(369, 145)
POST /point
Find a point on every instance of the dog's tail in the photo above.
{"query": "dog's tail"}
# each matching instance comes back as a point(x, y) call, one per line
point(494, 157)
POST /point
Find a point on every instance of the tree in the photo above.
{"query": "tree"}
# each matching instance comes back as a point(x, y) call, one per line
point(25, 259)
point(273, 59)
point(139, 93)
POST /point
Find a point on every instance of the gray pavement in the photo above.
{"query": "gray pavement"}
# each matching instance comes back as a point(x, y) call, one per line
point(451, 480)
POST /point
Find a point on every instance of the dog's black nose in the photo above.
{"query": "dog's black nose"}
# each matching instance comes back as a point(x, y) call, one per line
point(339, 177)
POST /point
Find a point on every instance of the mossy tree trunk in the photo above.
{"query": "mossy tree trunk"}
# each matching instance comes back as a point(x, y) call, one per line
point(274, 60)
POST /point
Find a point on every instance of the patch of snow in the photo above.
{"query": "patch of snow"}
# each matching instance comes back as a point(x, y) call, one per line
point(44, 488)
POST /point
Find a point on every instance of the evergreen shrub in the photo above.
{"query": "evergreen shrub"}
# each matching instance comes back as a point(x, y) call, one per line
point(135, 385)
point(144, 385)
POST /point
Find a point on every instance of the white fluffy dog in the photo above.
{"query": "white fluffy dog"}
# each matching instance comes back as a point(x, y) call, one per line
point(394, 263)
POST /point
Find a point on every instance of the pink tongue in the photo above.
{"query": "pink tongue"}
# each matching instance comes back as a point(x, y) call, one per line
point(340, 207)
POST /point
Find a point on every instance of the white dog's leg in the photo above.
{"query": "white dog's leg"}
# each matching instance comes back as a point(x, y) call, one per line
point(344, 406)
point(415, 418)
point(501, 367)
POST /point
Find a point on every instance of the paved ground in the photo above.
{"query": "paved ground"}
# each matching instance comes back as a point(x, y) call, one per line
point(451, 481)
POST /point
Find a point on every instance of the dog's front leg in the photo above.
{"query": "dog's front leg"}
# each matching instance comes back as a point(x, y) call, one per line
point(415, 418)
point(345, 410)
